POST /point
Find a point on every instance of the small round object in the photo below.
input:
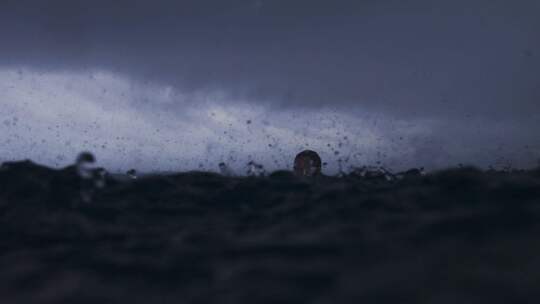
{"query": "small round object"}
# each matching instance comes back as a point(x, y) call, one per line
point(132, 173)
point(86, 157)
point(307, 163)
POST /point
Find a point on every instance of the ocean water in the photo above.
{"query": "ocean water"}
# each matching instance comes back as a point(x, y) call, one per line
point(460, 235)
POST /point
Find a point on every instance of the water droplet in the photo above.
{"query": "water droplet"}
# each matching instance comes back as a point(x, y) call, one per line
point(225, 170)
point(255, 169)
point(100, 177)
point(132, 173)
point(84, 164)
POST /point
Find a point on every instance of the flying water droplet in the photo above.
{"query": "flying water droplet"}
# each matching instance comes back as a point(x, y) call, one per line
point(225, 170)
point(132, 173)
point(100, 177)
point(255, 169)
point(91, 178)
point(84, 165)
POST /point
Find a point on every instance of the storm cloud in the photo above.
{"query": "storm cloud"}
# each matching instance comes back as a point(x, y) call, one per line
point(455, 80)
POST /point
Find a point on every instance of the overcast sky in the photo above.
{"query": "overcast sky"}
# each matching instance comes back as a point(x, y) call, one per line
point(175, 85)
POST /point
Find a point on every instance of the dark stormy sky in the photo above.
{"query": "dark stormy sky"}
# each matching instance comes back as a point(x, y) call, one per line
point(167, 85)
